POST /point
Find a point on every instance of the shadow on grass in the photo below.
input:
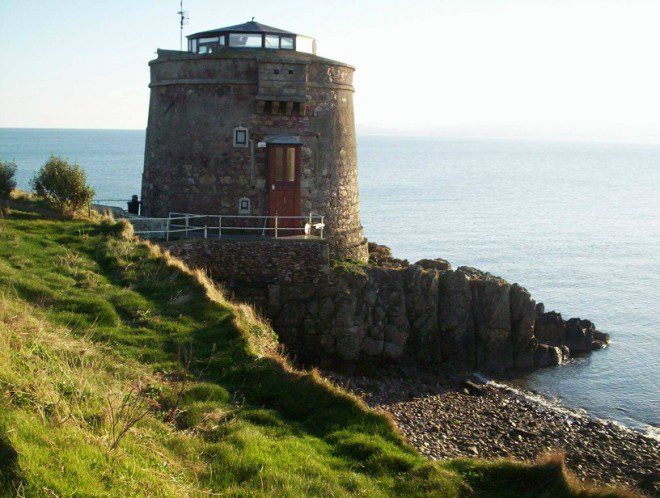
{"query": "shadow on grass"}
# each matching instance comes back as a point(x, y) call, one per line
point(10, 475)
point(222, 355)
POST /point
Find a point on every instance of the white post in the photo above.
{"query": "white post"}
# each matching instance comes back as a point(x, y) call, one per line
point(219, 227)
point(322, 226)
point(206, 236)
point(186, 217)
point(275, 226)
point(167, 230)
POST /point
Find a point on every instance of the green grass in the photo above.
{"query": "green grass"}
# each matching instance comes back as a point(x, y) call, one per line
point(96, 326)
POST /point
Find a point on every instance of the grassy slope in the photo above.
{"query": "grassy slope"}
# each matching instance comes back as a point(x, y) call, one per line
point(90, 317)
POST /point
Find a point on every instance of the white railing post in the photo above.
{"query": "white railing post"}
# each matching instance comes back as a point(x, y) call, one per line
point(206, 235)
point(322, 226)
point(275, 226)
point(186, 226)
point(167, 230)
point(219, 227)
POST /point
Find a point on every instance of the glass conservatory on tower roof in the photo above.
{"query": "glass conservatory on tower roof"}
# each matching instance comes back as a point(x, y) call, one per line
point(249, 35)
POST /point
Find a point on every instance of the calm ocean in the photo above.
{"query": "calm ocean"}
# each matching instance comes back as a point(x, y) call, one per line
point(577, 223)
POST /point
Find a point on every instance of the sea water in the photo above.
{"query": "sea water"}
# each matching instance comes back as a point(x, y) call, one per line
point(578, 224)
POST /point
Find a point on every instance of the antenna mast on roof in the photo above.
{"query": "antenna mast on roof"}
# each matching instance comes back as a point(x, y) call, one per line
point(183, 20)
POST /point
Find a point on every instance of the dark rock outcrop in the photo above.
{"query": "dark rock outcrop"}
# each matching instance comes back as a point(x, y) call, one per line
point(453, 320)
point(434, 264)
point(550, 328)
point(491, 310)
point(547, 356)
point(523, 316)
point(579, 335)
point(352, 315)
point(382, 256)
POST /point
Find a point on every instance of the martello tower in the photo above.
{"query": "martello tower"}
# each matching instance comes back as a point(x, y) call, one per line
point(251, 121)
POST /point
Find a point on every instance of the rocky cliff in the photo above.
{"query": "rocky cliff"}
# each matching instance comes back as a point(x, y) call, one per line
point(425, 313)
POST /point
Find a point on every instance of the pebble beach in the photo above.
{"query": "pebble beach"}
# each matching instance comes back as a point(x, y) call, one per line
point(450, 419)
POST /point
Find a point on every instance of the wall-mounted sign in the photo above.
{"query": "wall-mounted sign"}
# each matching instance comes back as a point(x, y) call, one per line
point(261, 145)
point(244, 206)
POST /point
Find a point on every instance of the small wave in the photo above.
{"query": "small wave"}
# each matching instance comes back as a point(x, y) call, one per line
point(554, 404)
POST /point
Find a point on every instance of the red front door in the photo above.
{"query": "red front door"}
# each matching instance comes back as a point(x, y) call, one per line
point(284, 188)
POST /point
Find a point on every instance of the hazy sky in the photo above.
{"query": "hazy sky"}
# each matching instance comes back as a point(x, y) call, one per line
point(577, 69)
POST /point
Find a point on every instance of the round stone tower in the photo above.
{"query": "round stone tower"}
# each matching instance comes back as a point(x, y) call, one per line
point(250, 121)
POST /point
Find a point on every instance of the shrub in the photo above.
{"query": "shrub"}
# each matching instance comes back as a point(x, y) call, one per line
point(7, 181)
point(63, 184)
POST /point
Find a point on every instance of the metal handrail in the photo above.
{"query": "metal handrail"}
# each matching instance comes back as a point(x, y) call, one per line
point(312, 221)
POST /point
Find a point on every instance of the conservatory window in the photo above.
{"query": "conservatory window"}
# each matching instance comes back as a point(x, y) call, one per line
point(244, 40)
point(272, 41)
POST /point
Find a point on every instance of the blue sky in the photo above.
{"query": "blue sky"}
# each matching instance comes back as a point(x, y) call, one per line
point(566, 69)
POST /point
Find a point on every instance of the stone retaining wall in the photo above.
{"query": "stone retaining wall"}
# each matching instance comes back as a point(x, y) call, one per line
point(258, 261)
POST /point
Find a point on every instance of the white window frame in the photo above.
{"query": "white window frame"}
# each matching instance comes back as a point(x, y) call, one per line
point(247, 209)
point(247, 136)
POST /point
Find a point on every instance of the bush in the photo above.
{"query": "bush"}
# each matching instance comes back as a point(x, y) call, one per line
point(7, 181)
point(63, 184)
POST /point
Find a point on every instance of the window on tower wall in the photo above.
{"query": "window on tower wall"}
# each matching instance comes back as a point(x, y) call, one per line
point(240, 137)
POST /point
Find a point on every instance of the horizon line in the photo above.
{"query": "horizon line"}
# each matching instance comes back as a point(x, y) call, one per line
point(402, 133)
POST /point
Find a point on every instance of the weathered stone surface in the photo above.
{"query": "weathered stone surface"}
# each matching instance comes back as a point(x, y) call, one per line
point(602, 338)
point(191, 163)
point(349, 343)
point(455, 320)
point(392, 352)
point(421, 296)
point(372, 347)
point(381, 256)
point(491, 310)
point(547, 356)
point(434, 264)
point(550, 328)
point(579, 335)
point(523, 316)
point(256, 261)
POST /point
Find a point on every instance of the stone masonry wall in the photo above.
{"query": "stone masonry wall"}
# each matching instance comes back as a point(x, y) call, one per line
point(262, 262)
point(191, 164)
